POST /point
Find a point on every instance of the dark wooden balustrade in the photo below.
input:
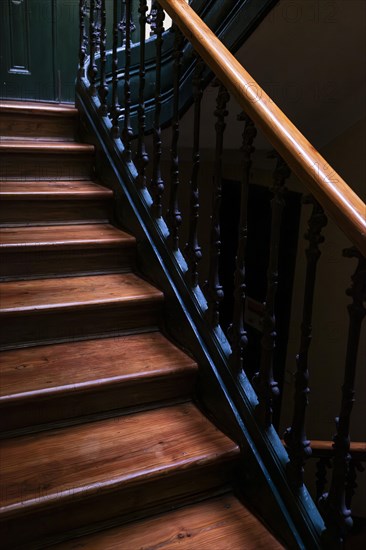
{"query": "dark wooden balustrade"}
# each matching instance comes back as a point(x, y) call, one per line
point(176, 227)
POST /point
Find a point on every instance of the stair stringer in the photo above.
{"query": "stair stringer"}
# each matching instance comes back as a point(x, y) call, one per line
point(230, 401)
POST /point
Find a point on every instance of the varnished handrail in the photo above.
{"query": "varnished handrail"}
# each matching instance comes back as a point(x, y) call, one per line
point(342, 204)
point(325, 448)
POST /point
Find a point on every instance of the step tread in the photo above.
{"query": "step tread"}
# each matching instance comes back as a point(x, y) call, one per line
point(75, 462)
point(47, 370)
point(62, 236)
point(52, 190)
point(222, 523)
point(35, 107)
point(73, 292)
point(25, 146)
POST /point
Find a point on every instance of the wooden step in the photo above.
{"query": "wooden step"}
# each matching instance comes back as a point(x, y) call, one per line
point(30, 252)
point(221, 523)
point(76, 476)
point(51, 383)
point(37, 121)
point(44, 202)
point(41, 310)
point(45, 160)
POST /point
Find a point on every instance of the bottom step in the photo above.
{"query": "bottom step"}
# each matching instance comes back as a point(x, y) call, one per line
point(217, 524)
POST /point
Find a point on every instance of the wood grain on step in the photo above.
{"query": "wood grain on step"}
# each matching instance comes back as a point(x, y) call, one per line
point(40, 127)
point(46, 165)
point(74, 463)
point(62, 236)
point(35, 107)
point(23, 146)
point(74, 292)
point(57, 382)
point(52, 190)
point(52, 369)
point(217, 524)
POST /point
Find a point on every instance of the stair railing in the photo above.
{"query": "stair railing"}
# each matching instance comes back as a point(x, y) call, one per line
point(330, 196)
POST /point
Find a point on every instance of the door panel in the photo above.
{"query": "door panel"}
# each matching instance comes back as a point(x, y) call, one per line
point(39, 47)
point(26, 59)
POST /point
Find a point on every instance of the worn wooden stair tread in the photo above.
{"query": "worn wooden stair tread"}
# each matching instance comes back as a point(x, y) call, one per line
point(28, 374)
point(222, 523)
point(35, 107)
point(67, 293)
point(55, 147)
point(53, 190)
point(62, 237)
point(73, 463)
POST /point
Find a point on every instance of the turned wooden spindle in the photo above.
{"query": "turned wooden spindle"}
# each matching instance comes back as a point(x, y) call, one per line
point(193, 249)
point(157, 183)
point(215, 292)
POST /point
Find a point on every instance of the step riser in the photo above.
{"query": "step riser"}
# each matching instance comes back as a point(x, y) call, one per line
point(124, 504)
point(36, 212)
point(33, 264)
point(75, 404)
point(30, 126)
point(45, 166)
point(44, 327)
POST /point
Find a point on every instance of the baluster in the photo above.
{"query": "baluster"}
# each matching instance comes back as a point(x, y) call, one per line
point(215, 293)
point(237, 334)
point(142, 157)
point(123, 23)
point(263, 381)
point(82, 38)
point(127, 133)
point(174, 215)
point(297, 445)
point(193, 249)
point(322, 466)
point(115, 108)
point(157, 183)
point(152, 17)
point(92, 69)
point(103, 88)
point(336, 514)
point(98, 25)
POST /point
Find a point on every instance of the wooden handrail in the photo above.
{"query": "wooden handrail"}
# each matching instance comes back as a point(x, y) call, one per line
point(325, 449)
point(341, 203)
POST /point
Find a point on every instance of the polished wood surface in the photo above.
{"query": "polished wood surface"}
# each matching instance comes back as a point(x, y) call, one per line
point(74, 292)
point(51, 369)
point(38, 107)
point(22, 146)
point(40, 311)
point(43, 469)
point(62, 236)
point(42, 384)
point(222, 523)
point(333, 193)
point(46, 164)
point(44, 202)
point(325, 448)
point(52, 190)
point(46, 250)
point(95, 431)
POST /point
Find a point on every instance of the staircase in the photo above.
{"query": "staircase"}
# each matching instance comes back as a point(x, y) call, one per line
point(103, 445)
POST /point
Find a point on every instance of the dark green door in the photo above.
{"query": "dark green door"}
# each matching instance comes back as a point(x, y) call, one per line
point(38, 49)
